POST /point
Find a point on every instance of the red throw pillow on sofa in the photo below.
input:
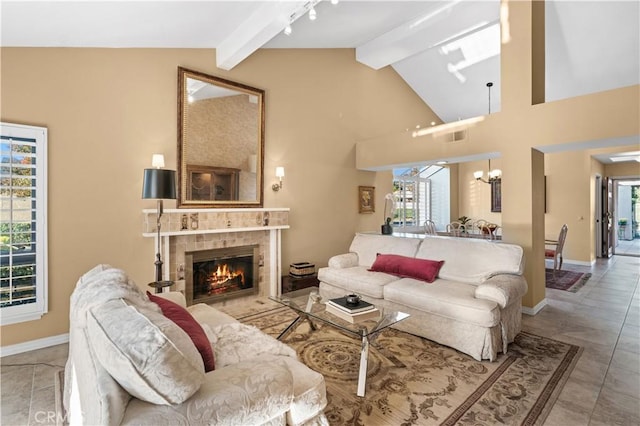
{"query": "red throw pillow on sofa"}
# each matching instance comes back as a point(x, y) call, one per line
point(185, 321)
point(408, 267)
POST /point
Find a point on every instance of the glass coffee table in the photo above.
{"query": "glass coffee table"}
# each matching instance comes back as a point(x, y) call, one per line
point(310, 307)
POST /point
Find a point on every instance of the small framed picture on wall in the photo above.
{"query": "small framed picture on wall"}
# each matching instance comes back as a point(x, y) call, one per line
point(496, 195)
point(366, 199)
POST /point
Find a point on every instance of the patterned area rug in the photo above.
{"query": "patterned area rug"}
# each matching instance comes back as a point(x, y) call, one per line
point(566, 280)
point(413, 381)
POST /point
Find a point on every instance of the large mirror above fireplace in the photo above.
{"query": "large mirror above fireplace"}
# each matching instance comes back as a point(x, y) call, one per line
point(220, 142)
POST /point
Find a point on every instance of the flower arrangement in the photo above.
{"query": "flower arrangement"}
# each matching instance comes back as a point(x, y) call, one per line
point(389, 208)
point(488, 228)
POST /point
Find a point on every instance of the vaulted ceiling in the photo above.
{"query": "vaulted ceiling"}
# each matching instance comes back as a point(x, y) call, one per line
point(446, 51)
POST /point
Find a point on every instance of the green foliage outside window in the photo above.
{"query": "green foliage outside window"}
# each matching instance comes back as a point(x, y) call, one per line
point(17, 237)
point(10, 182)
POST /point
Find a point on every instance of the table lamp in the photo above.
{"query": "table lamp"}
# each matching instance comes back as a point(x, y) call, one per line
point(159, 184)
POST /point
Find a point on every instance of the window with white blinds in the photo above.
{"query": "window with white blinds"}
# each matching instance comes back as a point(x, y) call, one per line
point(420, 194)
point(23, 231)
point(413, 200)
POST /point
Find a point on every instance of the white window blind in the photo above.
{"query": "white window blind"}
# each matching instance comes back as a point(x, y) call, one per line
point(420, 194)
point(23, 208)
point(413, 200)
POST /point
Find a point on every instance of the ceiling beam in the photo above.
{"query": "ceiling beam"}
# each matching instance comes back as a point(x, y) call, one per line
point(448, 22)
point(265, 23)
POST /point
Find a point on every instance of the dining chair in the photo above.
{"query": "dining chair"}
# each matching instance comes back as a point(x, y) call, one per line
point(430, 227)
point(497, 233)
point(555, 253)
point(455, 229)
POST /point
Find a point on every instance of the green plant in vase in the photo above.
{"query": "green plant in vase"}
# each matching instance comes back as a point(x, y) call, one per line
point(464, 220)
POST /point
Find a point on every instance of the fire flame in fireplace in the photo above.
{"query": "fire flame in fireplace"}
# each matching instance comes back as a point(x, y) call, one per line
point(224, 276)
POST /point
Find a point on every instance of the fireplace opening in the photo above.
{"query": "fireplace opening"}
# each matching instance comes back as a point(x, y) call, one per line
point(218, 274)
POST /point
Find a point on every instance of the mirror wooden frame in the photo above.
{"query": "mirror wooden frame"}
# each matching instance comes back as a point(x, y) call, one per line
point(228, 176)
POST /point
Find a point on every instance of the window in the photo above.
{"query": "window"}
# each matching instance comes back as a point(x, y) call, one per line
point(23, 209)
point(420, 194)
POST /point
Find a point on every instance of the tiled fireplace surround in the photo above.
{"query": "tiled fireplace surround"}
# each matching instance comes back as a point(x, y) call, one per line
point(218, 228)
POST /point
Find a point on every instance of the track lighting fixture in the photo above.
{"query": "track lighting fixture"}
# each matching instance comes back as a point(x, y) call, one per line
point(307, 9)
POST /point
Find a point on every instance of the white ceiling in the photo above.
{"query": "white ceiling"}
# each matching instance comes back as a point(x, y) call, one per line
point(591, 46)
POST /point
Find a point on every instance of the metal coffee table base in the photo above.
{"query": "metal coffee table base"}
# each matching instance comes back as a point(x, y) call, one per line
point(296, 322)
point(364, 359)
point(364, 350)
point(306, 303)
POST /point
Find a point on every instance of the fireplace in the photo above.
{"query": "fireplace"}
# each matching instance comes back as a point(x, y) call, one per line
point(223, 273)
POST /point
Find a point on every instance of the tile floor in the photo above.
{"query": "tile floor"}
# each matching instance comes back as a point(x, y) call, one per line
point(628, 247)
point(603, 317)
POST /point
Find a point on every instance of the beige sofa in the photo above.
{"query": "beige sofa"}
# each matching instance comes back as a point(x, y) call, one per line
point(474, 305)
point(130, 364)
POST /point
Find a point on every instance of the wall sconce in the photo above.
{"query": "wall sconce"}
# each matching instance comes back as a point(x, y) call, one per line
point(494, 175)
point(279, 174)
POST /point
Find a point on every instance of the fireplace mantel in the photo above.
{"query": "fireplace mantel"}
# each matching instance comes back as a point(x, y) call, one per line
point(214, 221)
point(195, 229)
point(213, 231)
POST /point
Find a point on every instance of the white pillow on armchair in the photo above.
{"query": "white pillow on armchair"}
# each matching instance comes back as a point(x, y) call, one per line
point(147, 353)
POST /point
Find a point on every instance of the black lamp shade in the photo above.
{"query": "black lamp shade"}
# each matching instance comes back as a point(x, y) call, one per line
point(159, 184)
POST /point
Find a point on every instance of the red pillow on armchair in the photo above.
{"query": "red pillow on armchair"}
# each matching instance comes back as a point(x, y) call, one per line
point(407, 267)
point(185, 321)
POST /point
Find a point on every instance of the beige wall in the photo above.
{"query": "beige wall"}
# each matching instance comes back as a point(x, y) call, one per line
point(108, 110)
point(569, 200)
point(626, 169)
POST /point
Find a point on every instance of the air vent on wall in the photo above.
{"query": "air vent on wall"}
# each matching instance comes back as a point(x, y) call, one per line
point(457, 136)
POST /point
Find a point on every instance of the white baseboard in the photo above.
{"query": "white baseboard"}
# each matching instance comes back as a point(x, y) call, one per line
point(532, 311)
point(580, 262)
point(31, 345)
point(549, 263)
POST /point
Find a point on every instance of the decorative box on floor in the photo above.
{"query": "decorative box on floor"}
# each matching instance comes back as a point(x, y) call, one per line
point(291, 283)
point(302, 269)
